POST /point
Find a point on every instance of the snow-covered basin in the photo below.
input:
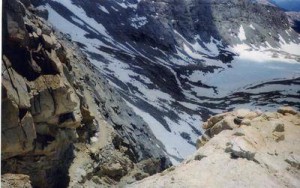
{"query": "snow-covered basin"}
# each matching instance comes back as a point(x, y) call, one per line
point(246, 72)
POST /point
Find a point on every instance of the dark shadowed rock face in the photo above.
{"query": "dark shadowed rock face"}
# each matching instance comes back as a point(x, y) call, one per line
point(158, 23)
point(53, 103)
point(167, 24)
point(294, 19)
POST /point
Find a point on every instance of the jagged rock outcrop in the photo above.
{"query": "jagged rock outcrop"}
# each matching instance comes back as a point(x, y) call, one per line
point(240, 149)
point(61, 122)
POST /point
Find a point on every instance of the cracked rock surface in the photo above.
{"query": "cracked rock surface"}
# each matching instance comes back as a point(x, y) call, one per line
point(244, 155)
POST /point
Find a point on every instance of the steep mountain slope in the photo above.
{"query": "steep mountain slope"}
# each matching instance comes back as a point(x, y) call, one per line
point(62, 124)
point(178, 62)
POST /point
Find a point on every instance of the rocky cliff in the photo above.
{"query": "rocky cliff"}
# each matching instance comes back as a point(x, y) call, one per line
point(240, 149)
point(62, 124)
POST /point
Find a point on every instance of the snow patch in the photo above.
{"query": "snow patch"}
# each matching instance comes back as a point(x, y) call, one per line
point(89, 22)
point(252, 27)
point(242, 34)
point(103, 9)
point(171, 140)
point(138, 22)
point(291, 48)
point(191, 53)
point(266, 54)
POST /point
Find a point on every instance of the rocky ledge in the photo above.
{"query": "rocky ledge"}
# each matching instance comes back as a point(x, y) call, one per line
point(240, 149)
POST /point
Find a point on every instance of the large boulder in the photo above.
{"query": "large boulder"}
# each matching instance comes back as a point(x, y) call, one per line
point(55, 102)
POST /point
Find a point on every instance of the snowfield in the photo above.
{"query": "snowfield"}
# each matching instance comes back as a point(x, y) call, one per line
point(176, 122)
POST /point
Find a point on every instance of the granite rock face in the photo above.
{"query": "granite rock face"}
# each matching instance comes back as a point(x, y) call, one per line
point(56, 107)
point(263, 154)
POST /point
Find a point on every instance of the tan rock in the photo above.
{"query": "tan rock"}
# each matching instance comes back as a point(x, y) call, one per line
point(287, 110)
point(213, 120)
point(278, 136)
point(43, 106)
point(48, 41)
point(225, 124)
point(55, 102)
point(35, 36)
point(246, 122)
point(15, 181)
point(202, 140)
point(245, 113)
point(16, 88)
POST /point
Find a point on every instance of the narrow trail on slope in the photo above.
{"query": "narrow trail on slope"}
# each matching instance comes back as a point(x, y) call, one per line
point(102, 138)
